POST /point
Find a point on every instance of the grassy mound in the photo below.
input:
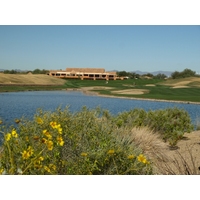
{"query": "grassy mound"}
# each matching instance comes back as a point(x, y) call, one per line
point(29, 79)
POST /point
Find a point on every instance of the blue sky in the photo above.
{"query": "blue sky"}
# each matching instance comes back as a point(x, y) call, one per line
point(129, 48)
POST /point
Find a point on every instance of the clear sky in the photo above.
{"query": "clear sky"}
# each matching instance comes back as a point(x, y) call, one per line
point(113, 47)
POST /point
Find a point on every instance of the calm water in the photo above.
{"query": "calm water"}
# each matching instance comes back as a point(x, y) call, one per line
point(17, 104)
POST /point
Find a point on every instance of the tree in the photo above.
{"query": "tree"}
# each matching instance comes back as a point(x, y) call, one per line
point(160, 76)
point(122, 73)
point(38, 71)
point(185, 73)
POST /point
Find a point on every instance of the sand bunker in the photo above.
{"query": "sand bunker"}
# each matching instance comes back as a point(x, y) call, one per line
point(181, 86)
point(131, 91)
point(97, 88)
point(151, 85)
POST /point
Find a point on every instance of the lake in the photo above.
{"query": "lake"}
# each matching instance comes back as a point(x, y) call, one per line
point(17, 104)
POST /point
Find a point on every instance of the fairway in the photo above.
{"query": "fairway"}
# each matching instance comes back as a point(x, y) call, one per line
point(185, 89)
point(173, 90)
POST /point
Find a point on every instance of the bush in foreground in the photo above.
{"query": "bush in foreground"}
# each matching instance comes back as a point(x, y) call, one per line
point(91, 142)
point(61, 142)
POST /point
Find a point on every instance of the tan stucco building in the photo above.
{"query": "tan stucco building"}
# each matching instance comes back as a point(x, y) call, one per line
point(85, 73)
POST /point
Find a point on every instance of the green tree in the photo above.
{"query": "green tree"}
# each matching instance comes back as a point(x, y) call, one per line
point(160, 76)
point(185, 73)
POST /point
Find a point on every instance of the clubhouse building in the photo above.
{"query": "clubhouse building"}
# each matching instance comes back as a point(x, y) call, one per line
point(85, 73)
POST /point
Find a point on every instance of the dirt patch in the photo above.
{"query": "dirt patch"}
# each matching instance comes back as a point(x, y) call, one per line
point(185, 157)
point(131, 91)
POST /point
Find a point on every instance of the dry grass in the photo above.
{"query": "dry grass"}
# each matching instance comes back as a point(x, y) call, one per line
point(150, 143)
point(29, 79)
point(184, 160)
point(182, 163)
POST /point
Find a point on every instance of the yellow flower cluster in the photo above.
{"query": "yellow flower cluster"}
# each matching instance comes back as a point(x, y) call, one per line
point(1, 171)
point(60, 141)
point(54, 125)
point(13, 133)
point(50, 167)
point(47, 134)
point(47, 169)
point(39, 120)
point(142, 158)
point(111, 151)
point(26, 154)
point(130, 157)
point(49, 145)
point(84, 154)
point(37, 163)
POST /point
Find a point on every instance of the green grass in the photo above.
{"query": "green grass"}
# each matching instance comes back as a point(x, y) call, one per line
point(159, 91)
point(16, 88)
point(119, 84)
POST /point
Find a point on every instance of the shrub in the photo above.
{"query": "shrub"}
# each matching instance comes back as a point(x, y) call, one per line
point(171, 123)
point(62, 142)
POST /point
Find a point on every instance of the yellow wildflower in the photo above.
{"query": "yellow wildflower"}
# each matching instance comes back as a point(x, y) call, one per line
point(25, 155)
point(37, 166)
point(14, 133)
point(50, 145)
point(59, 130)
point(142, 158)
point(30, 150)
point(39, 120)
point(1, 122)
point(131, 157)
point(46, 133)
point(1, 171)
point(52, 166)
point(60, 141)
point(53, 124)
point(44, 140)
point(40, 158)
point(57, 126)
point(111, 151)
point(47, 169)
point(84, 154)
point(8, 136)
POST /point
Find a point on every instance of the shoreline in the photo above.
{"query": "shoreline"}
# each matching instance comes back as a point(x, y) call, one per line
point(88, 92)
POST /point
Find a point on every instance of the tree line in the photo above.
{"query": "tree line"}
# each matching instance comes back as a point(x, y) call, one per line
point(183, 74)
point(132, 75)
point(35, 71)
